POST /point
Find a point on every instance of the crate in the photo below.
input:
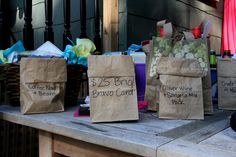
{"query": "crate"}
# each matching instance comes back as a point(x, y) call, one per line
point(76, 85)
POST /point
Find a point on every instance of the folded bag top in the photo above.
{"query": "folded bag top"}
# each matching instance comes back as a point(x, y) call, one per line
point(179, 67)
point(110, 66)
point(36, 70)
point(226, 67)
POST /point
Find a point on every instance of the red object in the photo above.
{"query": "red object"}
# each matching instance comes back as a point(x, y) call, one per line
point(76, 113)
point(142, 105)
point(196, 32)
point(229, 26)
point(162, 32)
point(145, 42)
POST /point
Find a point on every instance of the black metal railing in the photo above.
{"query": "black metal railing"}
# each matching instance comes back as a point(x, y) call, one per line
point(67, 32)
point(28, 32)
point(4, 25)
point(48, 33)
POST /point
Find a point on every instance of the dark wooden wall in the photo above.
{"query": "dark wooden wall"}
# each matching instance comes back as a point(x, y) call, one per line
point(184, 14)
point(137, 19)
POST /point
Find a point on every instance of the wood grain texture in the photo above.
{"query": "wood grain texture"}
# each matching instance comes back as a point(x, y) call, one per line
point(126, 140)
point(189, 128)
point(224, 140)
point(73, 148)
point(110, 25)
point(45, 144)
point(150, 136)
point(181, 148)
point(207, 132)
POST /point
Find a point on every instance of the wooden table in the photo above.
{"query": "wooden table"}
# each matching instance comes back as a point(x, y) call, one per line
point(61, 133)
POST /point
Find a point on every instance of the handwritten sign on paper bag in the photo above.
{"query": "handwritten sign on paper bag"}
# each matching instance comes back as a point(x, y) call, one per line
point(109, 87)
point(112, 88)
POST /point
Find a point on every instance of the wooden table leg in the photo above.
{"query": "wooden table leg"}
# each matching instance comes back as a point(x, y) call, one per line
point(46, 144)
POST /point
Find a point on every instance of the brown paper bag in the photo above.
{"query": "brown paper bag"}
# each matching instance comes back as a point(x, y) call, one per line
point(42, 85)
point(207, 97)
point(152, 82)
point(181, 89)
point(167, 47)
point(226, 71)
point(112, 88)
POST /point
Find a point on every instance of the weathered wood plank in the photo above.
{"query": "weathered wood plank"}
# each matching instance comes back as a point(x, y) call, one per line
point(133, 142)
point(224, 140)
point(110, 25)
point(207, 132)
point(148, 123)
point(128, 136)
point(45, 144)
point(196, 125)
point(151, 126)
point(181, 148)
point(70, 147)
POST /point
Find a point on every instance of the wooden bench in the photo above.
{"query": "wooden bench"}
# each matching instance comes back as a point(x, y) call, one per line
point(62, 134)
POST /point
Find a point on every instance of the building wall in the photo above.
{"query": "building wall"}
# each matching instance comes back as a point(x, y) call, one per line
point(184, 14)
